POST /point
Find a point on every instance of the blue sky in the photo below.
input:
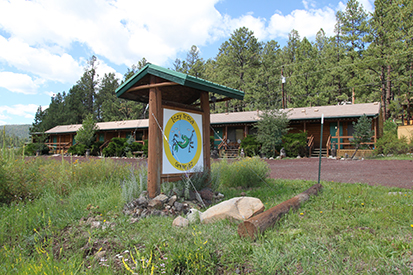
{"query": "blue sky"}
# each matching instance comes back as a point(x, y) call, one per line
point(44, 44)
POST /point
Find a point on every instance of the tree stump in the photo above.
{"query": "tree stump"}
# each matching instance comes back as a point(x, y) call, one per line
point(259, 223)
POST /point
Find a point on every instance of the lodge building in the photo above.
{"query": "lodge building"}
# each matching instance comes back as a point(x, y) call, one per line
point(228, 129)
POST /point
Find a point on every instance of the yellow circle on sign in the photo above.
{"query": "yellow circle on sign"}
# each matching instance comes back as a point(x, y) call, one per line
point(170, 146)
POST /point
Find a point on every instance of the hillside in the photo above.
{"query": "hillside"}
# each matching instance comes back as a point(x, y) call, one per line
point(19, 130)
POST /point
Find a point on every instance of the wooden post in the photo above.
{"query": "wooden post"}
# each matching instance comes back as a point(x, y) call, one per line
point(155, 140)
point(205, 130)
point(338, 134)
point(258, 224)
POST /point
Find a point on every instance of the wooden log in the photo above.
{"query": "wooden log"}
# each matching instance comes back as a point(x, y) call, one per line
point(258, 224)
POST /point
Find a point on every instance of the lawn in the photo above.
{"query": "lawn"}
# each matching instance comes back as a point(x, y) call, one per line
point(44, 229)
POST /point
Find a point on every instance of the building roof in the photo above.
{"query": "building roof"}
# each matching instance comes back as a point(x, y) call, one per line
point(294, 114)
point(103, 126)
point(188, 84)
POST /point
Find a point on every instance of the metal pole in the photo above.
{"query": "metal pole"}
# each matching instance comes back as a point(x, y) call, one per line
point(321, 147)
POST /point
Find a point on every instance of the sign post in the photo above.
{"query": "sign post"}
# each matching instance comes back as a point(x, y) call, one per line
point(321, 146)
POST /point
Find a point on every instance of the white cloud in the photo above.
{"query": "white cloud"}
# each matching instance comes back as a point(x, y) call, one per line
point(257, 25)
point(19, 83)
point(122, 31)
point(103, 68)
point(26, 111)
point(40, 62)
point(306, 22)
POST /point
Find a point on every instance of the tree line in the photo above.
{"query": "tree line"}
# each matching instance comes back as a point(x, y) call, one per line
point(368, 59)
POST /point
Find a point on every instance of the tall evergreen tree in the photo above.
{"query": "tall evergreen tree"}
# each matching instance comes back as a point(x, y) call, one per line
point(268, 92)
point(238, 64)
point(89, 83)
point(353, 27)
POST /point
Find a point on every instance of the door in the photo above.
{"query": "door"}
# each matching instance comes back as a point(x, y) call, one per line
point(333, 132)
point(218, 136)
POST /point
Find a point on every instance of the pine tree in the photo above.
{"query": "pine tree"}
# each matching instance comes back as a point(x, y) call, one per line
point(238, 64)
point(272, 126)
point(362, 132)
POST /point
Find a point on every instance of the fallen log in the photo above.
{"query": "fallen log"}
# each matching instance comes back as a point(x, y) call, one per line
point(259, 223)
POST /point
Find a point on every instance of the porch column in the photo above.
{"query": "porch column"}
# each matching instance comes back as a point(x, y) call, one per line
point(338, 134)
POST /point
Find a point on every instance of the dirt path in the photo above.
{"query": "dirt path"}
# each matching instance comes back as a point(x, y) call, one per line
point(392, 173)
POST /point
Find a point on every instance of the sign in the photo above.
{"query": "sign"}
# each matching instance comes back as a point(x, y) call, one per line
point(182, 142)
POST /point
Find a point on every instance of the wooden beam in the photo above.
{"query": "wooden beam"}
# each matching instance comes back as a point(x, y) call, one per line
point(259, 223)
point(218, 100)
point(205, 130)
point(181, 106)
point(155, 140)
point(150, 86)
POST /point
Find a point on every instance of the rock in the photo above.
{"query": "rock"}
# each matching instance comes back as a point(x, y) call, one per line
point(141, 202)
point(283, 153)
point(172, 200)
point(218, 196)
point(178, 206)
point(144, 194)
point(207, 194)
point(180, 222)
point(161, 197)
point(94, 225)
point(240, 208)
point(155, 204)
point(144, 213)
point(137, 212)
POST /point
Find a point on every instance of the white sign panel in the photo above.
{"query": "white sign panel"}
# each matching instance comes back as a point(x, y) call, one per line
point(182, 142)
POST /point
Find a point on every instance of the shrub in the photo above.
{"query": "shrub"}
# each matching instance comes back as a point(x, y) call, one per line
point(295, 144)
point(78, 149)
point(94, 150)
point(389, 143)
point(31, 149)
point(115, 148)
point(245, 173)
point(133, 186)
point(250, 145)
point(145, 147)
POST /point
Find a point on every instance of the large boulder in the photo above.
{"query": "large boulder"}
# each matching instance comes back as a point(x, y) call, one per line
point(239, 208)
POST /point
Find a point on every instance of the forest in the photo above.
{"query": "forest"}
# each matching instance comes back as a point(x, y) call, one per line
point(368, 59)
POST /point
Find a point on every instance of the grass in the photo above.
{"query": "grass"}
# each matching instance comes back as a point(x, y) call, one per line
point(408, 156)
point(347, 229)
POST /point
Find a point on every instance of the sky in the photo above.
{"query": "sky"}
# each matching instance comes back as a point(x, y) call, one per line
point(44, 44)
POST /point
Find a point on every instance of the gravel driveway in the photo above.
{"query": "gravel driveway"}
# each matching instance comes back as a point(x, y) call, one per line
point(392, 173)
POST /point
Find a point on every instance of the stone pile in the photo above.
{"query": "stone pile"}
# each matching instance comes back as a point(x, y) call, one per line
point(163, 205)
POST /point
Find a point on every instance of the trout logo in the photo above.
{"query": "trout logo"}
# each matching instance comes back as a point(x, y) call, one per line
point(184, 145)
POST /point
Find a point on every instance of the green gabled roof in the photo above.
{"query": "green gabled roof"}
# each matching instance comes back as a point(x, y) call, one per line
point(180, 78)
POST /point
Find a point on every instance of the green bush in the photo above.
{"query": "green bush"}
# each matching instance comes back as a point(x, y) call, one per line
point(145, 147)
point(389, 143)
point(245, 173)
point(115, 148)
point(295, 144)
point(250, 145)
point(94, 150)
point(31, 149)
point(120, 147)
point(78, 149)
